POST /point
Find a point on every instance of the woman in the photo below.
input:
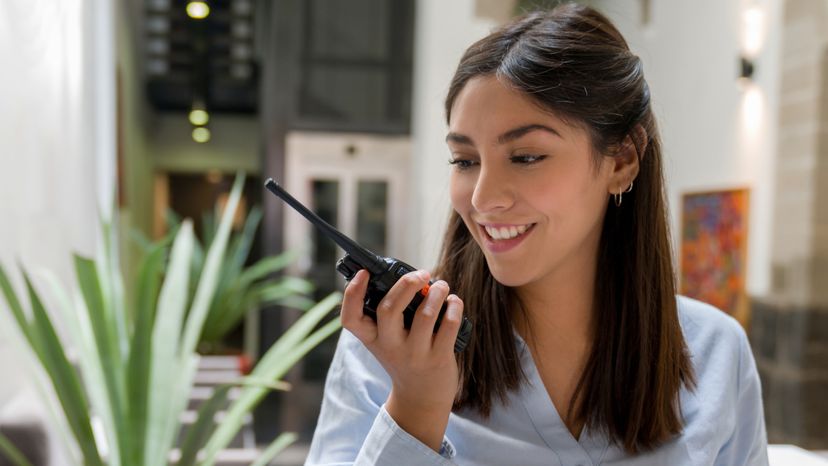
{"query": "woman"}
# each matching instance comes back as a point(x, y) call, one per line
point(559, 247)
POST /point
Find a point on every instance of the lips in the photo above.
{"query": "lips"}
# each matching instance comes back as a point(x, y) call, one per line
point(499, 238)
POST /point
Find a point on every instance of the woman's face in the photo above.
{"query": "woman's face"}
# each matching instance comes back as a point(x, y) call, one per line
point(526, 184)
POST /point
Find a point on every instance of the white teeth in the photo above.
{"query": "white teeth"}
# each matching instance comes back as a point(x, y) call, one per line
point(506, 232)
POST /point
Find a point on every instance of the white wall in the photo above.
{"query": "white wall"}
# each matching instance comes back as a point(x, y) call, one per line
point(56, 142)
point(444, 29)
point(716, 134)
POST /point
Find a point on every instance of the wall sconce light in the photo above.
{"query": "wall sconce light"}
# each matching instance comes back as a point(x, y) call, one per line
point(752, 37)
point(745, 68)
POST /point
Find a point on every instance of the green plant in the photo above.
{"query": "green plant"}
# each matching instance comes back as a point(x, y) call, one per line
point(136, 368)
point(243, 289)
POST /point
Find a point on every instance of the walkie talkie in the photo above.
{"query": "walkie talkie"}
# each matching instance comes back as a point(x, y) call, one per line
point(384, 271)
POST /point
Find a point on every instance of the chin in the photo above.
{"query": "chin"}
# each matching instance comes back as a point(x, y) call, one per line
point(507, 277)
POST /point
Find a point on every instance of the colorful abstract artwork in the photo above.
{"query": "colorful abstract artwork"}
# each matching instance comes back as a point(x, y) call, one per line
point(714, 249)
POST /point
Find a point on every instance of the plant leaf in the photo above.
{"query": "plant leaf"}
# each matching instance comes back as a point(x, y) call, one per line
point(76, 319)
point(298, 331)
point(267, 266)
point(285, 287)
point(166, 365)
point(112, 290)
point(18, 312)
point(65, 380)
point(208, 228)
point(204, 426)
point(140, 363)
point(290, 347)
point(209, 275)
point(281, 442)
point(11, 452)
point(107, 343)
point(295, 302)
point(241, 251)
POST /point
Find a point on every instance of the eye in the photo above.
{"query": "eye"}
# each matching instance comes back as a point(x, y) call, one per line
point(461, 164)
point(526, 159)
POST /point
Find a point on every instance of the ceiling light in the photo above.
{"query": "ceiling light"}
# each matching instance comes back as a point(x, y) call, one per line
point(199, 117)
point(201, 134)
point(198, 10)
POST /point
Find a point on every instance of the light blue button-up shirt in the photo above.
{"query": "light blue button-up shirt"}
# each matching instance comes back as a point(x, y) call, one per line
point(724, 422)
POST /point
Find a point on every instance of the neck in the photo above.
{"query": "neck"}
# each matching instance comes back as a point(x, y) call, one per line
point(559, 311)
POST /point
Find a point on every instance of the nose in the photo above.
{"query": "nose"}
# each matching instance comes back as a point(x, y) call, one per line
point(492, 192)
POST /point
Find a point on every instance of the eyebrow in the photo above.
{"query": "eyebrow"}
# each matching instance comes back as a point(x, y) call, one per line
point(508, 136)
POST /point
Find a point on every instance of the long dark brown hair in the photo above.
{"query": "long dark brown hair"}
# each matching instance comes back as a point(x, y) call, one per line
point(573, 62)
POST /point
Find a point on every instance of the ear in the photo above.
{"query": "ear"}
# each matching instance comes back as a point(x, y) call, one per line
point(626, 160)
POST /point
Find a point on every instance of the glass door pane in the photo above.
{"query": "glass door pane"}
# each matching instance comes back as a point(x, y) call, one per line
point(372, 215)
point(324, 253)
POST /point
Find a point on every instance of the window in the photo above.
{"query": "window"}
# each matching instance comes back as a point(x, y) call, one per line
point(355, 66)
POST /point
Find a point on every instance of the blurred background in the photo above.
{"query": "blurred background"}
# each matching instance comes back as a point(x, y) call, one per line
point(152, 106)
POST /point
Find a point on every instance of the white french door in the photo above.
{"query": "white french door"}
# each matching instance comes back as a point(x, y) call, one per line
point(357, 183)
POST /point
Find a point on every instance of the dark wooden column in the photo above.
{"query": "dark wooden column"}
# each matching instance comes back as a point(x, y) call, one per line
point(277, 32)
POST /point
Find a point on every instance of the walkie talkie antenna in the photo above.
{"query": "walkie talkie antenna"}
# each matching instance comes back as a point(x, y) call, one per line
point(363, 256)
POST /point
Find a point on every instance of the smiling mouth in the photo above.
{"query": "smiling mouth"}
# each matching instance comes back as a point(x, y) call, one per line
point(506, 233)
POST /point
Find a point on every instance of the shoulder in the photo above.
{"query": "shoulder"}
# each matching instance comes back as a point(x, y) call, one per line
point(709, 330)
point(726, 403)
point(719, 351)
point(723, 366)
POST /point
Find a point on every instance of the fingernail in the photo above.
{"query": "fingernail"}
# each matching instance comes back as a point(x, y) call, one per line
point(453, 309)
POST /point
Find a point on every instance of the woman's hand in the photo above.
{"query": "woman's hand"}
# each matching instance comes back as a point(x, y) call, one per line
point(421, 364)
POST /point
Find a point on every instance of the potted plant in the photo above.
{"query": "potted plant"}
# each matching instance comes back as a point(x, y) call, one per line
point(241, 288)
point(136, 360)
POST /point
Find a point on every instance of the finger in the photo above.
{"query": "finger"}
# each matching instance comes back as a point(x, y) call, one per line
point(390, 309)
point(449, 326)
point(422, 328)
point(351, 316)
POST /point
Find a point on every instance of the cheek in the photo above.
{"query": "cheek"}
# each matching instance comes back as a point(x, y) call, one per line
point(460, 191)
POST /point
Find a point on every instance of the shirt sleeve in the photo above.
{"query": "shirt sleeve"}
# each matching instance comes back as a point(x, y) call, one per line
point(748, 444)
point(353, 426)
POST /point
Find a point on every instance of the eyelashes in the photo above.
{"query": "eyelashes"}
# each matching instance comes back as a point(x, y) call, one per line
point(519, 159)
point(527, 159)
point(461, 164)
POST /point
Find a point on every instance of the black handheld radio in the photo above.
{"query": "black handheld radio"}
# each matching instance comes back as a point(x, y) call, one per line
point(384, 271)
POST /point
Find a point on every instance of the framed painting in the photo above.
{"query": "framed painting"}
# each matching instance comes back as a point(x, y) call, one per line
point(714, 235)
